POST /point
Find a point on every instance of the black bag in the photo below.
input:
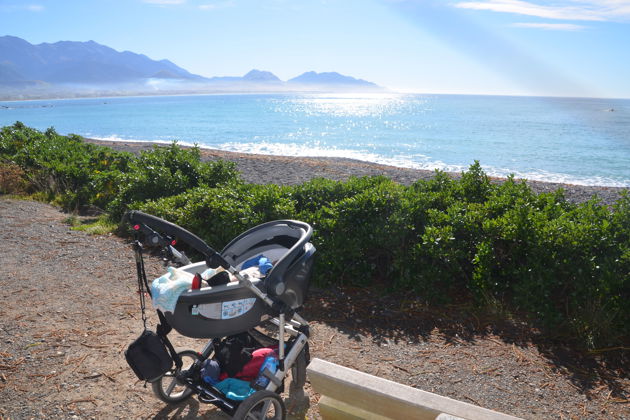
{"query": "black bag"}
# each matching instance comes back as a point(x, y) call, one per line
point(234, 352)
point(149, 357)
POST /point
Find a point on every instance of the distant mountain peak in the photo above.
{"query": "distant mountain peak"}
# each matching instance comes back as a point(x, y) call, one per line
point(89, 68)
point(261, 76)
point(329, 78)
point(80, 62)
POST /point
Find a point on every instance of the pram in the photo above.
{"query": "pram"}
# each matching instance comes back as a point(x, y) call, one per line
point(263, 310)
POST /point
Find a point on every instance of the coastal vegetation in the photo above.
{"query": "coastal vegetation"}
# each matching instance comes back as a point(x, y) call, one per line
point(564, 267)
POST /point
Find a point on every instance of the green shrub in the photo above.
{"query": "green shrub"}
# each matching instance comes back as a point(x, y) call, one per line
point(12, 179)
point(167, 171)
point(317, 193)
point(220, 214)
point(64, 168)
point(441, 230)
point(354, 235)
point(564, 266)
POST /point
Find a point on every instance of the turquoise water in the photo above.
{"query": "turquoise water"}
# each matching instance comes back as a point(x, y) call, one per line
point(573, 140)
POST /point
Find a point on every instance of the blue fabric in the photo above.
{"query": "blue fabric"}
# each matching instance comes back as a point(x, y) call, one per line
point(210, 371)
point(251, 262)
point(235, 389)
point(264, 265)
point(261, 261)
point(165, 290)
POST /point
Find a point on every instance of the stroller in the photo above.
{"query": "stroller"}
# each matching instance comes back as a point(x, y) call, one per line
point(254, 313)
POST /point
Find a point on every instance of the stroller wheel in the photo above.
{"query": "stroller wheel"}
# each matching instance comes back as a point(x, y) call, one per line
point(261, 405)
point(168, 388)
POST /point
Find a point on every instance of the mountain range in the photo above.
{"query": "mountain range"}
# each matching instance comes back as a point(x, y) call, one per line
point(67, 66)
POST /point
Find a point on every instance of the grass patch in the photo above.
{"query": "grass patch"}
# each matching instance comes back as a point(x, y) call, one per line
point(93, 225)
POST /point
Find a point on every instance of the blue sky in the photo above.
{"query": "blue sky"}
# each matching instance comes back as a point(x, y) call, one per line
point(518, 47)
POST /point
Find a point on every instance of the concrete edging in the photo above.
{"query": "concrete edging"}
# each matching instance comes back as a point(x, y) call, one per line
point(349, 394)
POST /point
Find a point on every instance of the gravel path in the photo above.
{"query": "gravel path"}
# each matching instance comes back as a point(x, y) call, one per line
point(70, 308)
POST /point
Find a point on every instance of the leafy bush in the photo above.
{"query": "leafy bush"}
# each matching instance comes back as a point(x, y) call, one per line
point(353, 228)
point(12, 179)
point(220, 214)
point(565, 266)
point(313, 195)
point(74, 173)
point(65, 168)
point(166, 171)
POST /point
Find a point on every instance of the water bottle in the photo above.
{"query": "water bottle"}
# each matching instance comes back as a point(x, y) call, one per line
point(270, 364)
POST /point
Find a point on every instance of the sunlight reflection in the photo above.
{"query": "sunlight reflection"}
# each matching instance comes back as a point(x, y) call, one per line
point(355, 104)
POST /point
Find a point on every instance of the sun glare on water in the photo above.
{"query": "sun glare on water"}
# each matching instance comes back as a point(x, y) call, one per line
point(348, 105)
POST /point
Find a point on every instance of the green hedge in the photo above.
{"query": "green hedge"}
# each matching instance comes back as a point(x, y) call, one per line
point(220, 214)
point(63, 168)
point(74, 173)
point(561, 265)
point(166, 171)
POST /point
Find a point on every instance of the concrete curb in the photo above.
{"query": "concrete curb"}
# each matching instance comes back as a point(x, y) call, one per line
point(352, 395)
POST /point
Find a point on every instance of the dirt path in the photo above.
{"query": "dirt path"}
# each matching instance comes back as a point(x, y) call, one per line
point(69, 310)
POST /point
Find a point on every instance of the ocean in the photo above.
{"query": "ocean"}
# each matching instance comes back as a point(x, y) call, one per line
point(583, 141)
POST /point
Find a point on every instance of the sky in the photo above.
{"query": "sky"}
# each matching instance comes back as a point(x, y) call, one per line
point(496, 47)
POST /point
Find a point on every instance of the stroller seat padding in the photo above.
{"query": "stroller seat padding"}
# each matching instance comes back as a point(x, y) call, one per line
point(228, 309)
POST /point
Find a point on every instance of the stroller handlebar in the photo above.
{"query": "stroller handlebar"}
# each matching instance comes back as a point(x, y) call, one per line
point(213, 258)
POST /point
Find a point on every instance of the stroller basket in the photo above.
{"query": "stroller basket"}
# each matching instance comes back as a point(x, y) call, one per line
point(231, 308)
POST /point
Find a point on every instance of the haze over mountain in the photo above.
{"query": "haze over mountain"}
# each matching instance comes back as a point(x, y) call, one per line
point(69, 68)
point(329, 78)
point(79, 62)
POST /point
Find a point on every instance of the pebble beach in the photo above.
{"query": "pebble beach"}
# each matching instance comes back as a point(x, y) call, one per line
point(291, 170)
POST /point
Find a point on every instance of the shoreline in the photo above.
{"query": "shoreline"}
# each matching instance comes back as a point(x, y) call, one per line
point(383, 90)
point(293, 170)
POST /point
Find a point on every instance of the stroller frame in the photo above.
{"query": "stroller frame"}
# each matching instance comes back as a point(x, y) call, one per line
point(210, 395)
point(292, 329)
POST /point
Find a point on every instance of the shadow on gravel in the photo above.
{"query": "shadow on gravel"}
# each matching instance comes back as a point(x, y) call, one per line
point(589, 371)
point(188, 409)
point(191, 409)
point(361, 312)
